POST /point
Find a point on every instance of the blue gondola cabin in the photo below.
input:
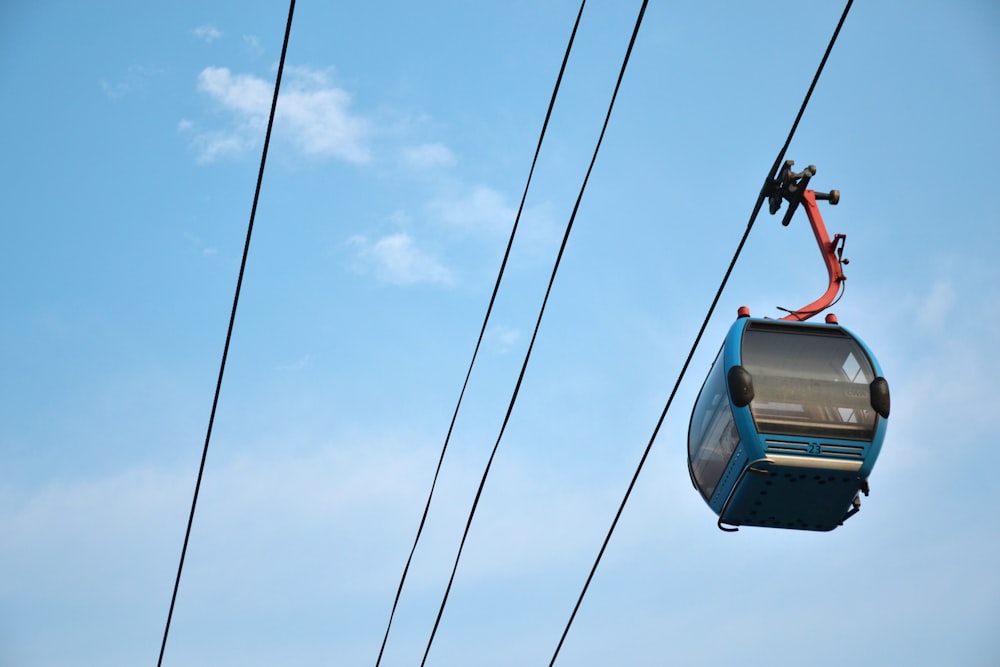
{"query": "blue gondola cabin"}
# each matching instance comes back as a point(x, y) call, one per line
point(788, 425)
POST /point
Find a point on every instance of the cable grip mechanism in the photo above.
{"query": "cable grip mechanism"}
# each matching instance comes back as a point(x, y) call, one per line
point(792, 187)
point(789, 185)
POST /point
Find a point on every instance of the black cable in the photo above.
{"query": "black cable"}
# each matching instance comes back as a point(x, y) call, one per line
point(229, 332)
point(701, 331)
point(482, 331)
point(534, 335)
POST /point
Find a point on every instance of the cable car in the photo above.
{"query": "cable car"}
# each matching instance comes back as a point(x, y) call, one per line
point(791, 418)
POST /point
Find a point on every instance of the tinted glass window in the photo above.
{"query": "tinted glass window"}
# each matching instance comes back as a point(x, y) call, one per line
point(809, 381)
point(712, 436)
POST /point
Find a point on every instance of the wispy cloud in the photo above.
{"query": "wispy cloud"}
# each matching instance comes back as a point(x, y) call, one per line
point(207, 33)
point(199, 243)
point(481, 209)
point(485, 213)
point(252, 44)
point(135, 79)
point(246, 95)
point(297, 365)
point(114, 91)
point(428, 156)
point(321, 123)
point(937, 305)
point(212, 146)
point(396, 259)
point(502, 338)
point(313, 114)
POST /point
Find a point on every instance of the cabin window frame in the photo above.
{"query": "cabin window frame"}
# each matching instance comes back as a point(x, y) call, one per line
point(711, 450)
point(809, 382)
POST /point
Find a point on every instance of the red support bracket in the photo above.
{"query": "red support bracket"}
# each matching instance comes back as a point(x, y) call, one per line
point(791, 187)
point(832, 252)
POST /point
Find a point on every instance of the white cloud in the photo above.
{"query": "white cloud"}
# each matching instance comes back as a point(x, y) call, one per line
point(397, 260)
point(481, 212)
point(207, 33)
point(211, 146)
point(297, 365)
point(135, 78)
point(321, 124)
point(199, 244)
point(428, 156)
point(311, 113)
point(114, 91)
point(401, 218)
point(502, 338)
point(244, 94)
point(248, 97)
point(111, 543)
point(482, 209)
point(281, 531)
point(252, 44)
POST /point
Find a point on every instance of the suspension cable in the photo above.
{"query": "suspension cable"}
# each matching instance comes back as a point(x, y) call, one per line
point(534, 335)
point(482, 332)
point(753, 216)
point(229, 332)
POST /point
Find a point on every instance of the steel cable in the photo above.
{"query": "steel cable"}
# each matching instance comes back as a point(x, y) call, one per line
point(482, 332)
point(229, 331)
point(534, 335)
point(753, 216)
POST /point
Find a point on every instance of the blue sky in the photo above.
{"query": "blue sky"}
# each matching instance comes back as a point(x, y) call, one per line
point(403, 140)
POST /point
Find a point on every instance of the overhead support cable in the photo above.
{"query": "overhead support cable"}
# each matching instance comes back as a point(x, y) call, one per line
point(753, 217)
point(534, 335)
point(229, 331)
point(482, 332)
